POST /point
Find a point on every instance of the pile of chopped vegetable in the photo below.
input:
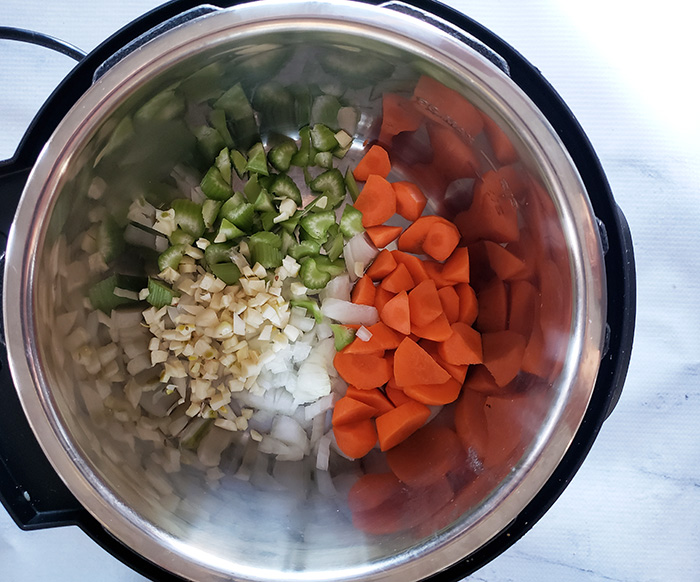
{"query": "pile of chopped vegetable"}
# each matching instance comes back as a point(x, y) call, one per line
point(318, 311)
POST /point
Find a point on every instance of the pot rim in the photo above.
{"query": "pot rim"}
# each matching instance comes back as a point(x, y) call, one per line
point(159, 55)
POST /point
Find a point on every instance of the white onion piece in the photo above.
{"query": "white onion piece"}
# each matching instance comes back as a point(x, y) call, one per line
point(359, 252)
point(338, 287)
point(350, 313)
point(289, 431)
point(363, 334)
point(324, 452)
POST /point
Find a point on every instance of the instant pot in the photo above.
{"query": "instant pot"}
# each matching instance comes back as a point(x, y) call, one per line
point(59, 465)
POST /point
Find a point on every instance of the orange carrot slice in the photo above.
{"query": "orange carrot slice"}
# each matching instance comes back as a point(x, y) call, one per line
point(348, 410)
point(381, 298)
point(479, 379)
point(356, 439)
point(468, 304)
point(383, 235)
point(383, 338)
point(412, 239)
point(375, 161)
point(425, 457)
point(413, 264)
point(373, 489)
point(374, 398)
point(410, 200)
point(449, 105)
point(449, 300)
point(412, 363)
point(396, 395)
point(442, 239)
point(463, 346)
point(363, 371)
point(364, 291)
point(434, 394)
point(398, 280)
point(434, 270)
point(383, 264)
point(470, 422)
point(437, 330)
point(424, 302)
point(396, 313)
point(456, 267)
point(398, 115)
point(397, 425)
point(503, 354)
point(377, 201)
point(504, 263)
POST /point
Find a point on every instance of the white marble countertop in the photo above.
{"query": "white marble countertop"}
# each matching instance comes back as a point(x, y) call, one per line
point(629, 74)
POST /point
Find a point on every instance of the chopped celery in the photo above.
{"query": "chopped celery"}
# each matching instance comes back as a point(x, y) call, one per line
point(334, 246)
point(267, 238)
point(265, 249)
point(325, 110)
point(342, 336)
point(305, 154)
point(223, 163)
point(209, 141)
point(217, 253)
point(110, 239)
point(275, 106)
point(235, 103)
point(324, 160)
point(332, 267)
point(311, 306)
point(257, 160)
point(287, 242)
point(239, 162)
point(228, 231)
point(351, 221)
point(305, 248)
point(159, 294)
point(210, 210)
point(323, 138)
point(229, 273)
point(263, 203)
point(239, 212)
point(188, 216)
point(267, 220)
point(280, 156)
point(171, 257)
point(252, 188)
point(351, 185)
point(302, 103)
point(317, 224)
point(180, 237)
point(311, 276)
point(217, 118)
point(330, 181)
point(285, 187)
point(214, 183)
point(290, 225)
point(102, 296)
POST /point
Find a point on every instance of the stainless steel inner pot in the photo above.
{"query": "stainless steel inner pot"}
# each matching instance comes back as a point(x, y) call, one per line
point(100, 159)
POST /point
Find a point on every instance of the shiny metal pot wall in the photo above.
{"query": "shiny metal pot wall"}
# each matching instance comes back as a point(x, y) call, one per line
point(100, 159)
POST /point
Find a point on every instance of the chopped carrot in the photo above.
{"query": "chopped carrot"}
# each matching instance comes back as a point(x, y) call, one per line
point(502, 146)
point(396, 313)
point(492, 214)
point(437, 330)
point(479, 379)
point(457, 159)
point(398, 280)
point(450, 303)
point(375, 161)
point(442, 239)
point(386, 518)
point(396, 395)
point(468, 304)
point(458, 372)
point(356, 439)
point(381, 298)
point(493, 307)
point(410, 200)
point(383, 338)
point(373, 489)
point(412, 362)
point(425, 457)
point(397, 425)
point(348, 410)
point(383, 264)
point(424, 302)
point(463, 346)
point(398, 115)
point(364, 291)
point(470, 422)
point(456, 267)
point(503, 354)
point(363, 371)
point(413, 264)
point(377, 201)
point(411, 239)
point(522, 299)
point(449, 104)
point(374, 397)
point(383, 235)
point(504, 263)
point(434, 394)
point(434, 270)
